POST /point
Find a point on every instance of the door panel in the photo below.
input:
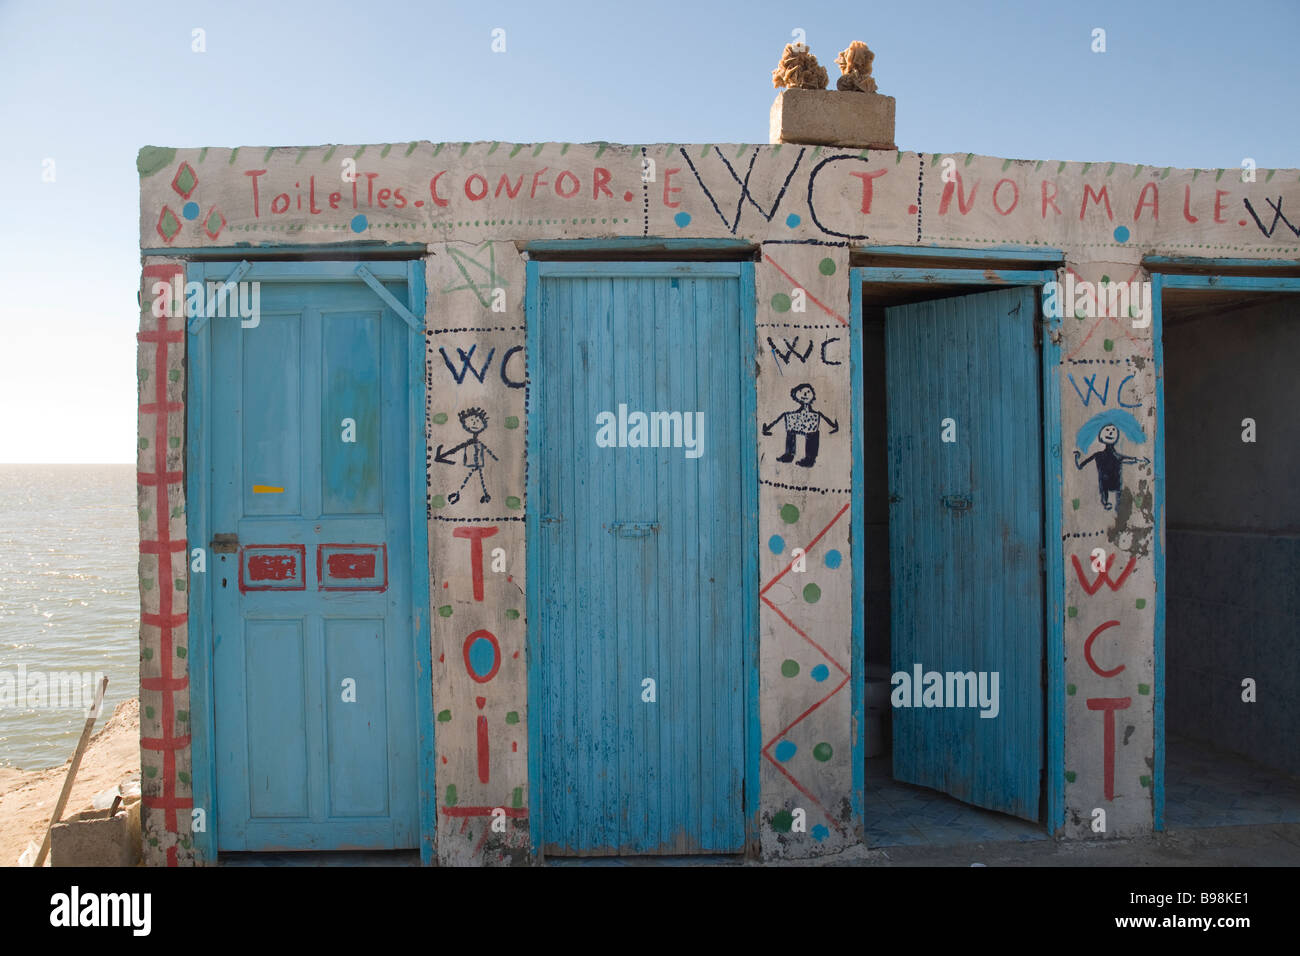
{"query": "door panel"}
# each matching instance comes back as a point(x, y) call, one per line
point(966, 533)
point(640, 566)
point(313, 654)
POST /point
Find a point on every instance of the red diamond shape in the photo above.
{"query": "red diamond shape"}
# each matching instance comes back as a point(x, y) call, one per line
point(167, 220)
point(207, 222)
point(185, 171)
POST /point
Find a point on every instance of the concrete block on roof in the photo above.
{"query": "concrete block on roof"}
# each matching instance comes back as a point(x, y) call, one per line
point(833, 118)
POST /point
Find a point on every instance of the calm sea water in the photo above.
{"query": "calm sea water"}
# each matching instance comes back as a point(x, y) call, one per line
point(69, 554)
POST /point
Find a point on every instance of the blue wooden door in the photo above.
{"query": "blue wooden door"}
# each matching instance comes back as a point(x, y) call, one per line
point(313, 669)
point(966, 538)
point(639, 663)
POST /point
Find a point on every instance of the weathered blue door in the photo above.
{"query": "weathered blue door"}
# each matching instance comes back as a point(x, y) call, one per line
point(966, 538)
point(639, 664)
point(309, 429)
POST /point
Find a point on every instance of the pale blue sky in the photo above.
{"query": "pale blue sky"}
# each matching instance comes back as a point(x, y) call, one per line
point(1192, 84)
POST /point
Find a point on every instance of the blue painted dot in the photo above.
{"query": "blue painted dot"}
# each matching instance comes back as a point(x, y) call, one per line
point(190, 210)
point(793, 220)
point(1121, 233)
point(776, 543)
point(785, 750)
point(359, 223)
point(482, 657)
point(820, 673)
point(833, 559)
point(820, 833)
point(682, 219)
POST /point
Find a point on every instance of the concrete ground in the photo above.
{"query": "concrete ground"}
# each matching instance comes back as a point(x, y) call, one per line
point(1272, 845)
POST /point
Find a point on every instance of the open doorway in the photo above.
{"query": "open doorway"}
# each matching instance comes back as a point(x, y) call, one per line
point(950, 487)
point(1232, 546)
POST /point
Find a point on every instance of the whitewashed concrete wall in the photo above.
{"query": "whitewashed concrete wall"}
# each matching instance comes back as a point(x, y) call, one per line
point(474, 204)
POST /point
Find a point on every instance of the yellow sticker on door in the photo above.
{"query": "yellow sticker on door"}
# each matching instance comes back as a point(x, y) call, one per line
point(267, 490)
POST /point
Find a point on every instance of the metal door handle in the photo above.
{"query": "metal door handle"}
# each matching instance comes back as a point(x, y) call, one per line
point(957, 502)
point(634, 529)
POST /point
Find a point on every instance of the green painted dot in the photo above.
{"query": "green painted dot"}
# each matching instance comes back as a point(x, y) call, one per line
point(147, 653)
point(512, 717)
point(513, 503)
point(444, 611)
point(1141, 603)
point(144, 514)
point(1070, 689)
point(174, 375)
point(812, 593)
point(181, 652)
point(150, 772)
point(1144, 780)
point(451, 794)
point(182, 776)
point(144, 443)
point(517, 797)
point(782, 820)
point(1108, 345)
point(444, 716)
point(1144, 688)
point(781, 302)
point(174, 441)
point(440, 418)
point(1069, 776)
point(512, 613)
point(789, 514)
point(1105, 279)
point(789, 668)
point(439, 501)
point(143, 374)
point(182, 715)
point(149, 712)
point(823, 751)
point(179, 584)
point(512, 421)
point(1072, 611)
point(1075, 504)
point(826, 267)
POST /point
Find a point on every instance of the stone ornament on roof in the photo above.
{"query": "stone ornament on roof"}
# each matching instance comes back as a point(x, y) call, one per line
point(799, 69)
point(855, 64)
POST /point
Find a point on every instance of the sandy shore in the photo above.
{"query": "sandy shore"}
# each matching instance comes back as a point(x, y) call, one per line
point(27, 797)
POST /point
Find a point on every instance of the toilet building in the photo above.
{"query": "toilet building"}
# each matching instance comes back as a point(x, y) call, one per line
point(511, 501)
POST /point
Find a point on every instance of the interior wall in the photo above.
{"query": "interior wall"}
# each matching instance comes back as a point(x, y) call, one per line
point(1233, 528)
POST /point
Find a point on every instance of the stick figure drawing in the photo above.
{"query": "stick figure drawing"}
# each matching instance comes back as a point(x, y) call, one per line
point(1106, 428)
point(804, 420)
point(474, 421)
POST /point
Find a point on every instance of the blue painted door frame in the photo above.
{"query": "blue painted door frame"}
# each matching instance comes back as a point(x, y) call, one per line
point(542, 450)
point(970, 274)
point(402, 298)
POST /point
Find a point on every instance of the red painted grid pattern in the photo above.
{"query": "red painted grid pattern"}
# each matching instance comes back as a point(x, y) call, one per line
point(163, 546)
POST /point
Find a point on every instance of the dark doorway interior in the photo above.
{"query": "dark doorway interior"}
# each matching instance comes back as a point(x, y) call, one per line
point(1232, 558)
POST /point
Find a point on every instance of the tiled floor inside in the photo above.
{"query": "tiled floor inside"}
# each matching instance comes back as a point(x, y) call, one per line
point(1206, 787)
point(899, 814)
